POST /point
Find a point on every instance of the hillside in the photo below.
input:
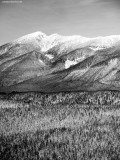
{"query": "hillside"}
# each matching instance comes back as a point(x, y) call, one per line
point(55, 63)
point(59, 98)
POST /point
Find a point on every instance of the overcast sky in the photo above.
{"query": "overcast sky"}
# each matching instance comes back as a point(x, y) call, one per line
point(88, 18)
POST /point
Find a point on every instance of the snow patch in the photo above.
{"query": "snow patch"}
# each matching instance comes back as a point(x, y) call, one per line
point(40, 61)
point(49, 56)
point(69, 63)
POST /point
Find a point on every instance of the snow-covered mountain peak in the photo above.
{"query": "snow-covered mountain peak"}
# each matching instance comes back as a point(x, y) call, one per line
point(54, 63)
point(31, 37)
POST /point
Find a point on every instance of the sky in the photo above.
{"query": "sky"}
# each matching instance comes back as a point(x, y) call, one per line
point(89, 18)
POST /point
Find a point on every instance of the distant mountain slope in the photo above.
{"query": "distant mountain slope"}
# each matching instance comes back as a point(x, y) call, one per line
point(37, 62)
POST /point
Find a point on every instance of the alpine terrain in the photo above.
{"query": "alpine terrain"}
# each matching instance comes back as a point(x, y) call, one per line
point(55, 63)
point(59, 98)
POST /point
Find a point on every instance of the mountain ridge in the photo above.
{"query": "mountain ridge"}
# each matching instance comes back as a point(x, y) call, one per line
point(54, 63)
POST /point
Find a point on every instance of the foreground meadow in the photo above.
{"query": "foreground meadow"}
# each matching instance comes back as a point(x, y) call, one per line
point(64, 126)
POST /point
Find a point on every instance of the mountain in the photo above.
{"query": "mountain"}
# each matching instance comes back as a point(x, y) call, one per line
point(54, 63)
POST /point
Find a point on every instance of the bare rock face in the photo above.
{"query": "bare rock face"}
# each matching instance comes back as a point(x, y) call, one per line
point(37, 62)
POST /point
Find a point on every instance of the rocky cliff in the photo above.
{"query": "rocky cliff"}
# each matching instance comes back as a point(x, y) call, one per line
point(37, 62)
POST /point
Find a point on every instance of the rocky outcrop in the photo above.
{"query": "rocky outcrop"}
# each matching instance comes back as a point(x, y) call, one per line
point(37, 62)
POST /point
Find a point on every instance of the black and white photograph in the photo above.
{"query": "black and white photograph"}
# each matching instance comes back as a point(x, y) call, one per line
point(59, 79)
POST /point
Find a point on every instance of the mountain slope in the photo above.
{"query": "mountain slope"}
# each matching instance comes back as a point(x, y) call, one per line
point(37, 62)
